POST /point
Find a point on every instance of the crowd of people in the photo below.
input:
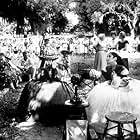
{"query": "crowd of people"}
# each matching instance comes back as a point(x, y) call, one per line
point(50, 59)
point(24, 54)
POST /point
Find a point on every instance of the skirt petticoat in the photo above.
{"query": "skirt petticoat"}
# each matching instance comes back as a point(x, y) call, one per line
point(104, 98)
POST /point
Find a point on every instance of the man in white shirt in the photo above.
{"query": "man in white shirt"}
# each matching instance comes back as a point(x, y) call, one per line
point(62, 64)
point(27, 66)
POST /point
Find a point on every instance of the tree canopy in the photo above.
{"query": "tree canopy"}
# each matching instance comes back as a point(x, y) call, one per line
point(49, 15)
point(39, 13)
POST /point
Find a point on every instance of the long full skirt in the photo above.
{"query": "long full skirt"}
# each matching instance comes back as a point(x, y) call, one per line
point(100, 60)
point(104, 98)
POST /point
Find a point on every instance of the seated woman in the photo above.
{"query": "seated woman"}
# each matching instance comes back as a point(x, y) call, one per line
point(115, 65)
point(8, 73)
point(118, 93)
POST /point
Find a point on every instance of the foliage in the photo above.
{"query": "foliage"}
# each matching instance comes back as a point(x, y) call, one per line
point(39, 14)
point(85, 9)
point(8, 104)
point(92, 11)
point(48, 15)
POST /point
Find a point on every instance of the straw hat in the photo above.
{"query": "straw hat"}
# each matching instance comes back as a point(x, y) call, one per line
point(64, 50)
point(48, 57)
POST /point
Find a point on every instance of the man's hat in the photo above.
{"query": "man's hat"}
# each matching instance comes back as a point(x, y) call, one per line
point(48, 57)
point(64, 50)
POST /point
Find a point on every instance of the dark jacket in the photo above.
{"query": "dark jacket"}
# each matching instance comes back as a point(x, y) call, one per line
point(109, 70)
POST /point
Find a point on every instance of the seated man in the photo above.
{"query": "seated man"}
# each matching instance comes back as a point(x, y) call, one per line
point(8, 73)
point(27, 67)
point(62, 65)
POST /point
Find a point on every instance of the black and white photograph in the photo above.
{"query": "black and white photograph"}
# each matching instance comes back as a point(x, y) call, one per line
point(70, 70)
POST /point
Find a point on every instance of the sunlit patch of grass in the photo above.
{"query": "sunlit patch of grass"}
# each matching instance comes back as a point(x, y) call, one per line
point(134, 69)
point(9, 98)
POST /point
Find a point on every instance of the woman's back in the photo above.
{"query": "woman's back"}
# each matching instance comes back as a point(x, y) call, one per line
point(122, 44)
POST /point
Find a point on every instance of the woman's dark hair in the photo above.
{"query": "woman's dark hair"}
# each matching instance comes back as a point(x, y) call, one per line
point(119, 59)
point(113, 33)
point(2, 54)
point(122, 34)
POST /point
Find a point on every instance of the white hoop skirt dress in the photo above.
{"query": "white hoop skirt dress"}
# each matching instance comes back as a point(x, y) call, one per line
point(104, 98)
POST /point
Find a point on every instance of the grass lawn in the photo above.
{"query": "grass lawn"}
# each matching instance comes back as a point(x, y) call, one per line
point(134, 65)
point(9, 99)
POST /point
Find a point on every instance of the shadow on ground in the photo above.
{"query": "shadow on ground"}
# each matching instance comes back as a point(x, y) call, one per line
point(37, 131)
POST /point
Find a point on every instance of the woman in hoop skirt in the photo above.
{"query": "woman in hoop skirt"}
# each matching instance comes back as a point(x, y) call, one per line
point(118, 93)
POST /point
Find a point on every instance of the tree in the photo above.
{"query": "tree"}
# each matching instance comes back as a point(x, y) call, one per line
point(43, 14)
point(39, 13)
point(49, 13)
point(13, 10)
point(88, 9)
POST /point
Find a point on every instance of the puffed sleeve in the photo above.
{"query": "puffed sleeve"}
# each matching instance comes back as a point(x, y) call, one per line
point(125, 72)
point(107, 73)
point(121, 71)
